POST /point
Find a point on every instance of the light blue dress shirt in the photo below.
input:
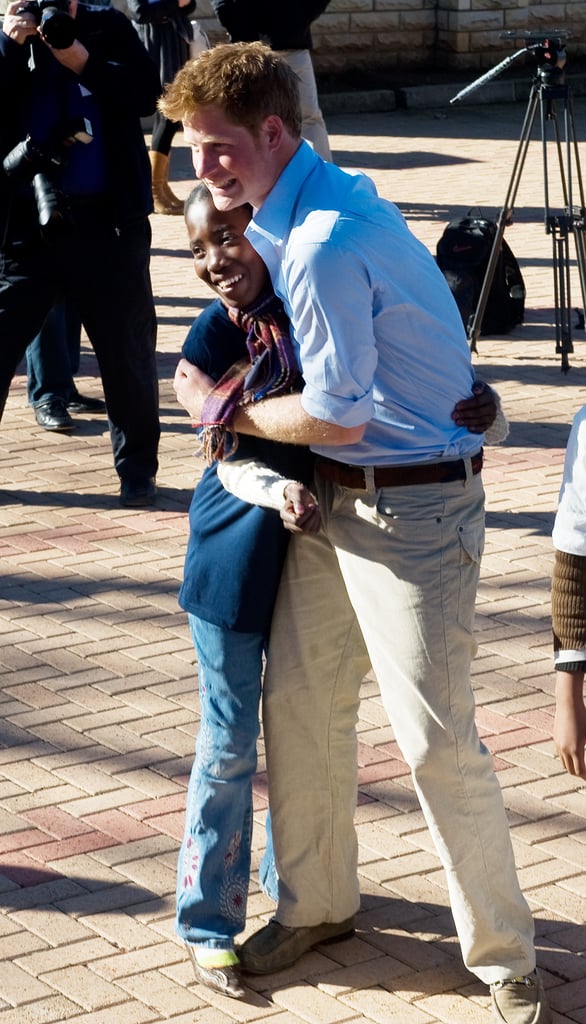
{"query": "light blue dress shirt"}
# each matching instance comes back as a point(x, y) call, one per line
point(380, 337)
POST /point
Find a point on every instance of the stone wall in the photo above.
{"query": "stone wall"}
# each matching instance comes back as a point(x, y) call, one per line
point(398, 34)
point(389, 34)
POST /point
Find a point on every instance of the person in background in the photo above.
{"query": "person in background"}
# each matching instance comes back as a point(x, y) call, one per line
point(75, 199)
point(392, 575)
point(52, 360)
point(165, 31)
point(568, 604)
point(286, 29)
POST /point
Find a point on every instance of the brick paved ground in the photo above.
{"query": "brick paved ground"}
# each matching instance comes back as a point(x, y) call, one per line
point(98, 695)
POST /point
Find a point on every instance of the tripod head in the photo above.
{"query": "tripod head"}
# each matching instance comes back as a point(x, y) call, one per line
point(549, 49)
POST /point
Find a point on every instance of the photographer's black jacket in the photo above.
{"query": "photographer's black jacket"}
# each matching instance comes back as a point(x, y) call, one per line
point(125, 86)
point(282, 26)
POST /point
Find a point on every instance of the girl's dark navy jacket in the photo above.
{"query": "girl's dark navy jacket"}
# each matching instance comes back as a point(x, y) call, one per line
point(235, 551)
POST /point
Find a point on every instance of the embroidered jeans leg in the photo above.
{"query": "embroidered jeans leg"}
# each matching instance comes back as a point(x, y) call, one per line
point(214, 859)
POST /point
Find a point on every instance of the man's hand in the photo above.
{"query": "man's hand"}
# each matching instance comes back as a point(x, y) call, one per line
point(300, 513)
point(479, 412)
point(74, 57)
point(18, 27)
point(192, 387)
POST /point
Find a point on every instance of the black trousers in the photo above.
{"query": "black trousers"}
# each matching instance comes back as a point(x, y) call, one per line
point(106, 270)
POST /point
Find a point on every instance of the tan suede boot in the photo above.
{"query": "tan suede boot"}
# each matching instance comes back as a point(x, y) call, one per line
point(163, 198)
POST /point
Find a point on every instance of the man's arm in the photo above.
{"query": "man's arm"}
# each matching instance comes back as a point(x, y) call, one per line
point(284, 419)
point(276, 419)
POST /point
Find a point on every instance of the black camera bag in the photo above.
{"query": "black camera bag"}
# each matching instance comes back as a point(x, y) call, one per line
point(462, 254)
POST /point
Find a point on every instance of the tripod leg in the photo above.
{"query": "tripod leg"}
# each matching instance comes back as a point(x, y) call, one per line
point(576, 151)
point(581, 258)
point(475, 324)
point(571, 222)
point(560, 228)
point(578, 215)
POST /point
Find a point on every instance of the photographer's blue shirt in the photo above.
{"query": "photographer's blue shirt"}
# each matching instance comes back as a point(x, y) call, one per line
point(60, 104)
point(380, 336)
point(84, 172)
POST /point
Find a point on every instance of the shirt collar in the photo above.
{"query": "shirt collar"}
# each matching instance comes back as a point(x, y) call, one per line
point(275, 216)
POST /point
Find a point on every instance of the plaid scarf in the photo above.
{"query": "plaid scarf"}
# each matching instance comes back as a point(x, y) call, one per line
point(270, 368)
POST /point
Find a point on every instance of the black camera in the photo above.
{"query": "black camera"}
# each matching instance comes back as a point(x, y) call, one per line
point(54, 20)
point(31, 162)
point(28, 159)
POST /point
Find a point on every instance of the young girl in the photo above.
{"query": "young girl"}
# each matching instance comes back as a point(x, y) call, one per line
point(233, 564)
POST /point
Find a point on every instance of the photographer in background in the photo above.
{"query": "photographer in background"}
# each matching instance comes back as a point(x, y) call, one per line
point(75, 195)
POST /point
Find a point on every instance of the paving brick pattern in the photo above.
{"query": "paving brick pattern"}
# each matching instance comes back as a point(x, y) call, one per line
point(98, 699)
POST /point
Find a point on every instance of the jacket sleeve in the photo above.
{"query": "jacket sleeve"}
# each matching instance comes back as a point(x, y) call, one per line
point(239, 19)
point(313, 8)
point(14, 75)
point(301, 16)
point(145, 13)
point(119, 70)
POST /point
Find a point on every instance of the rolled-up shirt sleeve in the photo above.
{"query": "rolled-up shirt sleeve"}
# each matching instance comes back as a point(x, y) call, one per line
point(337, 346)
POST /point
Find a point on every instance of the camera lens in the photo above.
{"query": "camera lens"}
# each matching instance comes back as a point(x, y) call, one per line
point(21, 162)
point(54, 213)
point(58, 28)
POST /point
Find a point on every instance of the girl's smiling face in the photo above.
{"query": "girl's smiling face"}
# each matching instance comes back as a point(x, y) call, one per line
point(223, 257)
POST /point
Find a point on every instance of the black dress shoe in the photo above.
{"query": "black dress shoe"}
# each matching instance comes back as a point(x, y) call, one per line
point(53, 415)
point(83, 403)
point(138, 493)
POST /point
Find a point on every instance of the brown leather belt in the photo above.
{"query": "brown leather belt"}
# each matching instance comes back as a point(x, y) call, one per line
point(397, 476)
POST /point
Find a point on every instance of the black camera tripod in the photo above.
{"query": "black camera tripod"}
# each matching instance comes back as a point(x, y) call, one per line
point(550, 91)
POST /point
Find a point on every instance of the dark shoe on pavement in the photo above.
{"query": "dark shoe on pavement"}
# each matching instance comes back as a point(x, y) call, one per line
point(275, 947)
point(222, 979)
point(520, 1001)
point(138, 493)
point(53, 415)
point(83, 403)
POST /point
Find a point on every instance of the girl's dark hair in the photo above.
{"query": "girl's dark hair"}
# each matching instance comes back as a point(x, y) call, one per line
point(200, 193)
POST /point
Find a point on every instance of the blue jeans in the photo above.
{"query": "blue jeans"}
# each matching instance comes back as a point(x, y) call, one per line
point(53, 357)
point(214, 860)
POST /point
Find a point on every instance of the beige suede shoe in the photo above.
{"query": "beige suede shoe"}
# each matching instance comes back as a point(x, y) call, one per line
point(275, 947)
point(520, 1001)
